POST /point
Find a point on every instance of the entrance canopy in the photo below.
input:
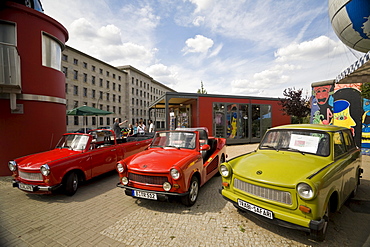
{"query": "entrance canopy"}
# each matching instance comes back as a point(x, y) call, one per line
point(171, 100)
point(359, 72)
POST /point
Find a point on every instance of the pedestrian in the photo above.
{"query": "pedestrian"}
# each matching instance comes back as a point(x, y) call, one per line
point(130, 130)
point(151, 126)
point(141, 128)
point(135, 127)
point(117, 128)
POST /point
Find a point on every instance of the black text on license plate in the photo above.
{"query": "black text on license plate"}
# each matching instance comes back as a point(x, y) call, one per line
point(25, 187)
point(143, 194)
point(255, 209)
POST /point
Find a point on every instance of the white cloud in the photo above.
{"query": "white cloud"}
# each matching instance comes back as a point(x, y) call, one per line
point(199, 44)
point(311, 50)
point(202, 4)
point(198, 20)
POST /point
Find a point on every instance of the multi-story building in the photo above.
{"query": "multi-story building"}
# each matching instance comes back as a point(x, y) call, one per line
point(125, 91)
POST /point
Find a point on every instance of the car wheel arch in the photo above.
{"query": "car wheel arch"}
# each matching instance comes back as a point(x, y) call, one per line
point(80, 173)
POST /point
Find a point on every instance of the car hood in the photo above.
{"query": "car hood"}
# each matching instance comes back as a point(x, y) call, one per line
point(161, 160)
point(34, 161)
point(277, 168)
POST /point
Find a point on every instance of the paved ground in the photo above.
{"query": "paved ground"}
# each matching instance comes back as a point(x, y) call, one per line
point(99, 214)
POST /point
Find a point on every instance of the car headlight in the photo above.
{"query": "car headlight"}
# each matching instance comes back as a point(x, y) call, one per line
point(166, 186)
point(120, 168)
point(305, 191)
point(175, 174)
point(224, 171)
point(12, 165)
point(45, 170)
point(124, 180)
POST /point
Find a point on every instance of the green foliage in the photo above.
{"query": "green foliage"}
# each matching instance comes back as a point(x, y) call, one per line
point(365, 90)
point(295, 105)
point(201, 90)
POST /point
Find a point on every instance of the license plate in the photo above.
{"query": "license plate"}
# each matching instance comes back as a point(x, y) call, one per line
point(25, 187)
point(255, 209)
point(146, 195)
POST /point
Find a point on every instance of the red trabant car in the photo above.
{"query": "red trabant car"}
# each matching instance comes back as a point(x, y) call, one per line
point(176, 164)
point(77, 157)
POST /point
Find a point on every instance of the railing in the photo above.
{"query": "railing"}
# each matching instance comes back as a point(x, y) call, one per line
point(10, 76)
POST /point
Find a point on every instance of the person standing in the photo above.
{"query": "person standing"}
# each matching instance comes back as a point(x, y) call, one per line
point(135, 127)
point(117, 128)
point(151, 126)
point(141, 128)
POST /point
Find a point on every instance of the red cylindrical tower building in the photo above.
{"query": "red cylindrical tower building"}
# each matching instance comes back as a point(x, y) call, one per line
point(32, 85)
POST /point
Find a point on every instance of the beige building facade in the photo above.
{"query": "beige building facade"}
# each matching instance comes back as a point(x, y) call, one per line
point(125, 91)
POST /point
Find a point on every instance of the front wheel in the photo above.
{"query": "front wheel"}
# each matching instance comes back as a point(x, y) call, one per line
point(71, 185)
point(319, 235)
point(191, 198)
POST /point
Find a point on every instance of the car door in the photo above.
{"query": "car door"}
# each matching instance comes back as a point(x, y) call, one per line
point(103, 159)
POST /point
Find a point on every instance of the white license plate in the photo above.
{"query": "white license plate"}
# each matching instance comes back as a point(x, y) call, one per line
point(255, 209)
point(145, 195)
point(25, 187)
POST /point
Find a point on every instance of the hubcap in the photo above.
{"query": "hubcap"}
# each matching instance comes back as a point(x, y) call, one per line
point(194, 191)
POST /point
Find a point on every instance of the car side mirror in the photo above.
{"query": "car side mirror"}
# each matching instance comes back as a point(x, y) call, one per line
point(205, 147)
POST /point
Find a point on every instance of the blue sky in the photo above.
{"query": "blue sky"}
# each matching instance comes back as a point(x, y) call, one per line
point(235, 47)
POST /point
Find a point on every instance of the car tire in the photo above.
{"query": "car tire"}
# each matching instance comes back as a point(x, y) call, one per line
point(71, 184)
point(190, 199)
point(319, 235)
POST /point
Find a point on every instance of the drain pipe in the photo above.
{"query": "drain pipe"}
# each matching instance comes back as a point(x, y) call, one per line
point(13, 101)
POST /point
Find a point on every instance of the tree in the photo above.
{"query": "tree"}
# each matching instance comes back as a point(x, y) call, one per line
point(201, 90)
point(295, 105)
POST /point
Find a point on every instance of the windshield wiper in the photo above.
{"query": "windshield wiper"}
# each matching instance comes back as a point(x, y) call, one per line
point(293, 149)
point(270, 146)
point(172, 147)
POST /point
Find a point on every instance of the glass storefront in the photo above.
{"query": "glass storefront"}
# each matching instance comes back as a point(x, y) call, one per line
point(241, 122)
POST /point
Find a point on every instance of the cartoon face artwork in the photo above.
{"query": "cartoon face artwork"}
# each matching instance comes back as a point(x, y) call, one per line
point(342, 116)
point(322, 94)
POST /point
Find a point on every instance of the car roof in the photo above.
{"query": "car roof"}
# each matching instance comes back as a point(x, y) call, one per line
point(321, 127)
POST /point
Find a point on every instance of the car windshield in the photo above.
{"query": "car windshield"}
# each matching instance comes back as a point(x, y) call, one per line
point(304, 141)
point(174, 139)
point(73, 142)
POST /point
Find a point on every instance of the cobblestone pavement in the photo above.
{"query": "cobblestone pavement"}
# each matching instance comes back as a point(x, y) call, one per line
point(99, 214)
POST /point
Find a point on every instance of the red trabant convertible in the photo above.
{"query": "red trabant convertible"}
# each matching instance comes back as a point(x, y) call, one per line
point(77, 157)
point(176, 164)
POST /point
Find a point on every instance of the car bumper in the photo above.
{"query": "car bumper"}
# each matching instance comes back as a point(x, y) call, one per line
point(34, 188)
point(307, 225)
point(161, 195)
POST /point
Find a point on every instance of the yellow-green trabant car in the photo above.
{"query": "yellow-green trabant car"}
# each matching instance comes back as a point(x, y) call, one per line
point(299, 174)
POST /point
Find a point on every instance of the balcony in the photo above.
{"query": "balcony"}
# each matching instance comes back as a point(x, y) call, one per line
point(10, 70)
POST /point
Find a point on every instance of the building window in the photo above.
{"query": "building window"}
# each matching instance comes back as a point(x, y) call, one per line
point(66, 88)
point(92, 67)
point(141, 83)
point(119, 98)
point(133, 90)
point(75, 61)
point(93, 120)
point(137, 92)
point(133, 101)
point(137, 102)
point(108, 121)
point(65, 71)
point(85, 92)
point(114, 109)
point(75, 120)
point(107, 107)
point(65, 57)
point(107, 73)
point(75, 75)
point(114, 76)
point(119, 110)
point(114, 98)
point(100, 71)
point(119, 87)
point(51, 52)
point(93, 80)
point(114, 86)
point(107, 84)
point(93, 92)
point(132, 80)
point(85, 77)
point(100, 95)
point(101, 122)
point(119, 78)
point(85, 65)
point(75, 90)
point(75, 104)
point(107, 96)
point(137, 82)
point(100, 82)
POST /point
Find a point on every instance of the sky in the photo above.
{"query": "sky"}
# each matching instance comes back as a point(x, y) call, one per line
point(234, 47)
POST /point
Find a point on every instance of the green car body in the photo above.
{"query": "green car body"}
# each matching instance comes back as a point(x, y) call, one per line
point(298, 175)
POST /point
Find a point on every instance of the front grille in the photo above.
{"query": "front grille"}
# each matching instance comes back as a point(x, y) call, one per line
point(147, 179)
point(30, 176)
point(270, 194)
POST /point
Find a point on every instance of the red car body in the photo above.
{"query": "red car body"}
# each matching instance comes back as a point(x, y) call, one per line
point(77, 157)
point(176, 164)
